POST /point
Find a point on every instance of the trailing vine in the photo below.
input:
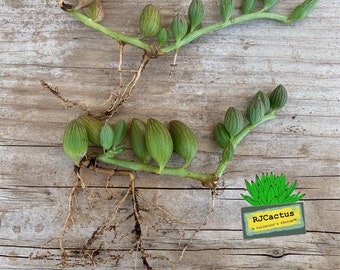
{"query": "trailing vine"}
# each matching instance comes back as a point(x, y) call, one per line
point(153, 140)
point(156, 40)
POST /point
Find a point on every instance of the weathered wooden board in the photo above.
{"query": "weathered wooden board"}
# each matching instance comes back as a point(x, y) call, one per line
point(38, 41)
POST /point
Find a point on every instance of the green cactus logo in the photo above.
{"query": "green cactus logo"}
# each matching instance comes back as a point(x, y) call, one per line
point(271, 189)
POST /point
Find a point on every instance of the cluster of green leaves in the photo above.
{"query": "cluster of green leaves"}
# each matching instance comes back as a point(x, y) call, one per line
point(183, 29)
point(112, 138)
point(230, 132)
point(86, 129)
point(152, 140)
point(271, 189)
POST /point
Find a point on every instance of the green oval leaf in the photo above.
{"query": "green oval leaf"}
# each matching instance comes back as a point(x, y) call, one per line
point(268, 4)
point(106, 137)
point(75, 142)
point(302, 10)
point(93, 127)
point(162, 36)
point(158, 142)
point(265, 100)
point(150, 21)
point(119, 132)
point(184, 141)
point(227, 8)
point(179, 27)
point(195, 14)
point(256, 111)
point(233, 121)
point(95, 11)
point(222, 137)
point(137, 136)
point(248, 6)
point(278, 97)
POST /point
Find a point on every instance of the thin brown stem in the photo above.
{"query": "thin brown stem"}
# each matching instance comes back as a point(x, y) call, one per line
point(66, 103)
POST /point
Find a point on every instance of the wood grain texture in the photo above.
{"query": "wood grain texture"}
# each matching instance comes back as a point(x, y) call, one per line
point(38, 41)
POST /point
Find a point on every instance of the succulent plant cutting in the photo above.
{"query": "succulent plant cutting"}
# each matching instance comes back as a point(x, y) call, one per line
point(184, 29)
point(75, 141)
point(155, 38)
point(152, 140)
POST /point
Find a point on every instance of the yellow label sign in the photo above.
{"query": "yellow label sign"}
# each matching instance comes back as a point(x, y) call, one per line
point(272, 219)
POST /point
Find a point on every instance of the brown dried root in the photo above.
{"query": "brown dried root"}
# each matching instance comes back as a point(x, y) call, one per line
point(79, 182)
point(167, 217)
point(173, 65)
point(98, 248)
point(69, 215)
point(66, 103)
point(118, 100)
point(121, 54)
point(213, 199)
point(87, 251)
point(136, 214)
point(138, 222)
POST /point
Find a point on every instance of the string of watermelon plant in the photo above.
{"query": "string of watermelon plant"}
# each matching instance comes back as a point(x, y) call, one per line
point(153, 145)
point(183, 30)
point(156, 40)
point(154, 141)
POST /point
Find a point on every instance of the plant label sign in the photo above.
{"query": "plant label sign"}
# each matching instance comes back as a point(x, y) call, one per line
point(273, 220)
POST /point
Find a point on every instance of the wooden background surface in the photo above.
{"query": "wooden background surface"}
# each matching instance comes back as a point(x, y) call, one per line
point(38, 41)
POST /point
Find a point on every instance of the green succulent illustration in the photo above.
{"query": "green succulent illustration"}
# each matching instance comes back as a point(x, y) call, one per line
point(271, 189)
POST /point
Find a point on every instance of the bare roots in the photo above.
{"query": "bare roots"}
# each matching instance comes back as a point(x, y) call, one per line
point(116, 99)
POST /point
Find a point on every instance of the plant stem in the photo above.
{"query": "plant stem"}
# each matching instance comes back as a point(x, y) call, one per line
point(135, 41)
point(220, 25)
point(248, 128)
point(238, 138)
point(207, 179)
point(150, 49)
